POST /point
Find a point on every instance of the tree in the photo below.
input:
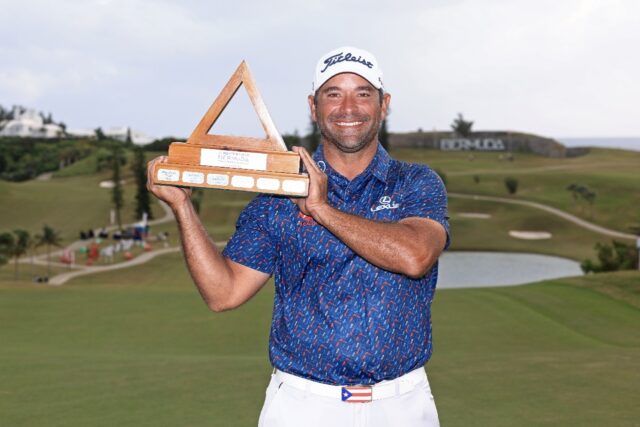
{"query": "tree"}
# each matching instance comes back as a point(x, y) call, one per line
point(48, 238)
point(21, 245)
point(291, 140)
point(117, 191)
point(143, 200)
point(6, 243)
point(383, 135)
point(100, 136)
point(581, 191)
point(614, 257)
point(461, 127)
point(129, 140)
point(197, 194)
point(511, 184)
point(312, 140)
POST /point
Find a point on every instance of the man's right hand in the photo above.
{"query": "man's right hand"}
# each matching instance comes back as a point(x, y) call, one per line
point(173, 196)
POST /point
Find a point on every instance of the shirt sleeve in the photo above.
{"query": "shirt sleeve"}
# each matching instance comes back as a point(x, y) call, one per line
point(252, 245)
point(427, 198)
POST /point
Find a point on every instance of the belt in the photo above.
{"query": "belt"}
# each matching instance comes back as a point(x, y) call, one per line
point(356, 393)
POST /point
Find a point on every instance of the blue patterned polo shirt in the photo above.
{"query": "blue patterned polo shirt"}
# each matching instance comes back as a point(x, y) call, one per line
point(338, 319)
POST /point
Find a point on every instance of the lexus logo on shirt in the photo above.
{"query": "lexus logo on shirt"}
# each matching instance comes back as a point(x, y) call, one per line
point(385, 203)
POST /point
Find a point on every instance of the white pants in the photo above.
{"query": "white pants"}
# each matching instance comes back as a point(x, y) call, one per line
point(296, 402)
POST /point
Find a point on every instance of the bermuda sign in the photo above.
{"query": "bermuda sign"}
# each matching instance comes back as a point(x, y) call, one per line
point(477, 144)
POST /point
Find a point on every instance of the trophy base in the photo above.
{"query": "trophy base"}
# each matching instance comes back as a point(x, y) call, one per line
point(286, 184)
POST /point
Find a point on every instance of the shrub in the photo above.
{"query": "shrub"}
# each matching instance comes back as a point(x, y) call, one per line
point(511, 184)
point(614, 257)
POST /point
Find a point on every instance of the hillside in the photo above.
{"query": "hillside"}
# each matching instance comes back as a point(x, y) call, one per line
point(611, 174)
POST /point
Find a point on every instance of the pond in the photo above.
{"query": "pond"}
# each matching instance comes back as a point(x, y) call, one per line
point(484, 269)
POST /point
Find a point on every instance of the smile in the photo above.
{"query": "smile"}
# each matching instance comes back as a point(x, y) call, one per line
point(348, 123)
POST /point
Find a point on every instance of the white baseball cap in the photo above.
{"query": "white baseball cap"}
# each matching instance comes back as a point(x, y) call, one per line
point(348, 59)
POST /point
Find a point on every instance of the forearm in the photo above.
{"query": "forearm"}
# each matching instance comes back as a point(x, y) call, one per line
point(209, 269)
point(408, 247)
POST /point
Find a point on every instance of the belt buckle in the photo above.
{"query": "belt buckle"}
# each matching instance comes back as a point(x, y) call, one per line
point(357, 394)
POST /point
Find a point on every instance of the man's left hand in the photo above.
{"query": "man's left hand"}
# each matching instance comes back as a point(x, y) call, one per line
point(316, 200)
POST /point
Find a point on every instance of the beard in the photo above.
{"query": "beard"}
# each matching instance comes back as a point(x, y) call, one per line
point(346, 139)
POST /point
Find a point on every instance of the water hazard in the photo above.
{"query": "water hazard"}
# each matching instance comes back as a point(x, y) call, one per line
point(484, 269)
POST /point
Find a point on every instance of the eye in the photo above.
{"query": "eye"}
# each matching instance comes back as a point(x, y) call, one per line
point(364, 94)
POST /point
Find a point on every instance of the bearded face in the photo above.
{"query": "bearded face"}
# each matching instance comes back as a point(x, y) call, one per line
point(349, 111)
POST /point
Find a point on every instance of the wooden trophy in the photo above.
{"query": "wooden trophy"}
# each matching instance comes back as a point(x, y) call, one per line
point(234, 162)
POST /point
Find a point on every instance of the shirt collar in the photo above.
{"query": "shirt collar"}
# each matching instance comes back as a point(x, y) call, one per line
point(379, 166)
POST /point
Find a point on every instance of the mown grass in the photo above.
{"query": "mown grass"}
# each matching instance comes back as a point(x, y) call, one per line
point(139, 347)
point(492, 234)
point(76, 202)
point(612, 174)
point(69, 205)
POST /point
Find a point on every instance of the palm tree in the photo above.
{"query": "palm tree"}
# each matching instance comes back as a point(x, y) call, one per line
point(48, 238)
point(21, 245)
point(6, 243)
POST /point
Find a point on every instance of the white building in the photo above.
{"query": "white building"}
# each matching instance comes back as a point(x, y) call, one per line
point(29, 123)
point(120, 133)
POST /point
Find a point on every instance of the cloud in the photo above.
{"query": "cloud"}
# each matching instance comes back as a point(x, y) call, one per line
point(557, 68)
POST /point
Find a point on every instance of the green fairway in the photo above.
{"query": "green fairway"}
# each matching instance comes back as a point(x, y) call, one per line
point(613, 174)
point(73, 201)
point(66, 204)
point(138, 347)
point(492, 234)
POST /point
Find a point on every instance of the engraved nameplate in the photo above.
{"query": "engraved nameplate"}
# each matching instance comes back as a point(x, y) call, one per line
point(233, 159)
point(292, 186)
point(192, 177)
point(271, 184)
point(217, 179)
point(168, 175)
point(242, 181)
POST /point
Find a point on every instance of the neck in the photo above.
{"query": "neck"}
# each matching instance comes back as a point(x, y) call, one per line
point(349, 165)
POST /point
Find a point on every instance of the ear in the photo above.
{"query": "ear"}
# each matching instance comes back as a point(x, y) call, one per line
point(386, 100)
point(312, 108)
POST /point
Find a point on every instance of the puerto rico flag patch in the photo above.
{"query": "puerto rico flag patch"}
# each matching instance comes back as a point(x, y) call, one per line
point(356, 394)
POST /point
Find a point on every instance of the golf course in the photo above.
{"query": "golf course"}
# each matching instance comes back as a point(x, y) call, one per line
point(138, 347)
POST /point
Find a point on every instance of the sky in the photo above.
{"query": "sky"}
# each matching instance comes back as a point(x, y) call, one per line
point(560, 69)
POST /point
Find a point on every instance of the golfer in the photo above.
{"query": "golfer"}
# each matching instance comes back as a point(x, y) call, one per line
point(355, 265)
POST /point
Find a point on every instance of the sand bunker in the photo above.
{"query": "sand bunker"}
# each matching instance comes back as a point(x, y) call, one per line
point(109, 184)
point(476, 215)
point(530, 235)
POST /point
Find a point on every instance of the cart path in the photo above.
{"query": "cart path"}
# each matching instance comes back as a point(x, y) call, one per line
point(80, 270)
point(562, 214)
point(61, 278)
point(544, 168)
point(167, 217)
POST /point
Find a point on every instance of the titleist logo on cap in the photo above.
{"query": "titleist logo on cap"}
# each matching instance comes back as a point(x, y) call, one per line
point(339, 57)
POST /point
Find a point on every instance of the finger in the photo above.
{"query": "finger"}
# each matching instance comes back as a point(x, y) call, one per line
point(309, 162)
point(302, 152)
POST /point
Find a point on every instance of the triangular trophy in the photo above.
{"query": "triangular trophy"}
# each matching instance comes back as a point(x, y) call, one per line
point(234, 162)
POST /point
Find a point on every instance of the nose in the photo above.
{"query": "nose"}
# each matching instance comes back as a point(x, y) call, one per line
point(348, 104)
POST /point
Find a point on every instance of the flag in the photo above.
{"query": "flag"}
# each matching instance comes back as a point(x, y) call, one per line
point(356, 394)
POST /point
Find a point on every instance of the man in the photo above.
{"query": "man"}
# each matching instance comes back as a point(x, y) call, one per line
point(354, 265)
